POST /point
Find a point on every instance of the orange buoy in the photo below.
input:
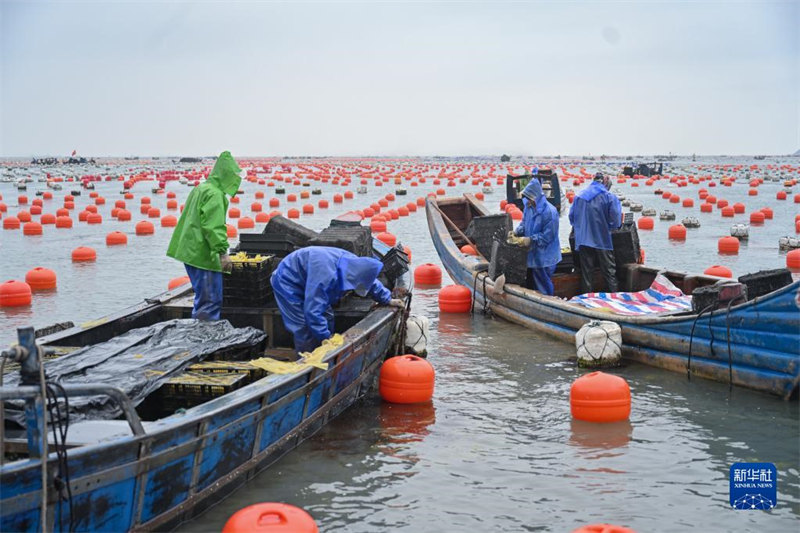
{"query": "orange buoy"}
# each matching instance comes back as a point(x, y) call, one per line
point(677, 232)
point(123, 215)
point(144, 200)
point(274, 202)
point(232, 232)
point(24, 216)
point(402, 211)
point(304, 195)
point(41, 279)
point(719, 271)
point(793, 259)
point(22, 199)
point(645, 223)
point(738, 208)
point(270, 518)
point(172, 204)
point(99, 201)
point(377, 226)
point(291, 197)
point(256, 207)
point(728, 245)
point(706, 207)
point(421, 202)
point(768, 214)
point(752, 192)
point(48, 218)
point(600, 397)
point(757, 217)
point(36, 210)
point(32, 228)
point(234, 212)
point(116, 238)
point(293, 213)
point(797, 198)
point(674, 199)
point(412, 207)
point(468, 249)
point(455, 299)
point(337, 198)
point(406, 379)
point(428, 274)
point(387, 238)
point(348, 195)
point(781, 195)
point(262, 218)
point(62, 212)
point(323, 204)
point(687, 202)
point(94, 218)
point(369, 212)
point(145, 227)
point(11, 222)
point(308, 209)
point(797, 226)
point(169, 221)
point(246, 223)
point(63, 222)
point(727, 211)
point(722, 203)
point(15, 293)
point(516, 214)
point(83, 254)
point(177, 282)
point(603, 528)
point(407, 250)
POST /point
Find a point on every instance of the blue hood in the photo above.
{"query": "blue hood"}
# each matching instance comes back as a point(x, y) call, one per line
point(358, 273)
point(533, 190)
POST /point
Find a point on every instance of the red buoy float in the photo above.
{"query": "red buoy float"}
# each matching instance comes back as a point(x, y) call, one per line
point(246, 223)
point(645, 223)
point(428, 274)
point(116, 238)
point(270, 518)
point(728, 245)
point(793, 259)
point(468, 249)
point(719, 271)
point(600, 397)
point(387, 238)
point(455, 299)
point(41, 279)
point(603, 528)
point(15, 293)
point(83, 254)
point(11, 222)
point(32, 228)
point(177, 282)
point(406, 379)
point(677, 232)
point(145, 227)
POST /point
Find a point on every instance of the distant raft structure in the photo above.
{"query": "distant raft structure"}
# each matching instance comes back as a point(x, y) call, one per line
point(691, 222)
point(788, 243)
point(740, 231)
point(666, 215)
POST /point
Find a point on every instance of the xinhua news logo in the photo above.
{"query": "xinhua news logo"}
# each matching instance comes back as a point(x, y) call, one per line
point(754, 486)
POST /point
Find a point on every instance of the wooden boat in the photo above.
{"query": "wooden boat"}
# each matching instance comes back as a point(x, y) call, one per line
point(154, 474)
point(755, 344)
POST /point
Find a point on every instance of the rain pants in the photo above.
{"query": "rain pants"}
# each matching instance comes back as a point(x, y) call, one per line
point(201, 235)
point(311, 280)
point(594, 214)
point(540, 224)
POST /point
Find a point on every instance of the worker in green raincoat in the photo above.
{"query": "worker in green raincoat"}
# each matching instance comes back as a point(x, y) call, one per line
point(200, 239)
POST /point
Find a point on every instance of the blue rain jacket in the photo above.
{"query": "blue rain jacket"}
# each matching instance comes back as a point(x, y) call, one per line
point(309, 281)
point(594, 214)
point(540, 223)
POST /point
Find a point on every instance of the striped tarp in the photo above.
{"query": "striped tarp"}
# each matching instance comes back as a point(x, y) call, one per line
point(661, 298)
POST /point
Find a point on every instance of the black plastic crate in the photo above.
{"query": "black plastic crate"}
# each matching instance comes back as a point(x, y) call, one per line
point(717, 296)
point(354, 239)
point(248, 284)
point(395, 263)
point(203, 385)
point(484, 230)
point(509, 260)
point(280, 225)
point(271, 244)
point(765, 281)
point(626, 244)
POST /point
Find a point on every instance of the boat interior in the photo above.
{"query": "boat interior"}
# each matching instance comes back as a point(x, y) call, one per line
point(631, 277)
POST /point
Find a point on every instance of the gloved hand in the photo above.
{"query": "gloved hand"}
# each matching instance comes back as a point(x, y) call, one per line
point(225, 262)
point(523, 242)
point(396, 302)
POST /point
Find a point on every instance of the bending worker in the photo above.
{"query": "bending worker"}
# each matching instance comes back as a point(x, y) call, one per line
point(310, 281)
point(200, 239)
point(593, 215)
point(539, 233)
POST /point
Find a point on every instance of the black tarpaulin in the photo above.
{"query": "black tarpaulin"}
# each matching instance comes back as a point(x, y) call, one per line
point(138, 362)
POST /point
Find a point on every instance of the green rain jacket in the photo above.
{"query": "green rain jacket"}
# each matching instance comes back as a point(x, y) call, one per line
point(201, 235)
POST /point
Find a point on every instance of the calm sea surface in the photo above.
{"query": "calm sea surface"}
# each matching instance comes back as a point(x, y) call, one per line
point(496, 450)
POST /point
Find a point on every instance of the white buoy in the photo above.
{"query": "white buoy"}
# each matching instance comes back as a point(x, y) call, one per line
point(599, 344)
point(417, 335)
point(740, 231)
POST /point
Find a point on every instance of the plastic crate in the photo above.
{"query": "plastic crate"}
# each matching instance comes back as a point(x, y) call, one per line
point(765, 281)
point(225, 367)
point(203, 385)
point(395, 263)
point(509, 260)
point(354, 239)
point(248, 284)
point(272, 243)
point(484, 230)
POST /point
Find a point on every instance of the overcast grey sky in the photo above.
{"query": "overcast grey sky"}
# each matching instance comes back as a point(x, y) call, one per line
point(335, 78)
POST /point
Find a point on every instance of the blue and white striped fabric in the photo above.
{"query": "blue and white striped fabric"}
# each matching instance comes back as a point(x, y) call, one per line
point(661, 298)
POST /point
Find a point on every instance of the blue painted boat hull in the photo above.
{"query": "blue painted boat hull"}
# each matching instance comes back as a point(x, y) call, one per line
point(755, 345)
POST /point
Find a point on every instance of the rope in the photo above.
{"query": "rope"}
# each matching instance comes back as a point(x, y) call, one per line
point(61, 479)
point(691, 338)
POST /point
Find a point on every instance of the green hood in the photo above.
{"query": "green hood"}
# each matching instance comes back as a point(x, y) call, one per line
point(225, 174)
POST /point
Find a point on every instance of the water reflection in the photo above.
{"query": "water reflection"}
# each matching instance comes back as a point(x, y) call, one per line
point(600, 436)
point(406, 423)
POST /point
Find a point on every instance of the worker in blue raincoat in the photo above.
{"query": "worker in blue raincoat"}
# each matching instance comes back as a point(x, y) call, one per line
point(310, 281)
point(539, 233)
point(594, 214)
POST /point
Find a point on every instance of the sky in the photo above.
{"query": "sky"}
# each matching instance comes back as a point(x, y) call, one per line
point(398, 78)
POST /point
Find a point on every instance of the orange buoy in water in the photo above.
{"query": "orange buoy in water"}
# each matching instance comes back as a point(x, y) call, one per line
point(32, 228)
point(323, 204)
point(348, 195)
point(15, 293)
point(600, 397)
point(728, 245)
point(41, 279)
point(377, 226)
point(169, 221)
point(123, 215)
point(63, 222)
point(428, 274)
point(781, 195)
point(256, 207)
point(291, 197)
point(468, 249)
point(387, 238)
point(603, 528)
point(83, 254)
point(116, 238)
point(270, 518)
point(797, 198)
point(706, 207)
point(145, 227)
point(402, 211)
point(516, 214)
point(48, 218)
point(454, 299)
point(722, 203)
point(177, 282)
point(94, 218)
point(308, 209)
point(274, 202)
point(420, 202)
point(645, 223)
point(752, 192)
point(406, 379)
point(768, 214)
point(11, 222)
point(337, 198)
point(738, 208)
point(677, 232)
point(293, 213)
point(757, 217)
point(232, 232)
point(407, 250)
point(727, 211)
point(674, 199)
point(262, 218)
point(719, 271)
point(246, 223)
point(687, 202)
point(793, 259)
point(234, 212)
